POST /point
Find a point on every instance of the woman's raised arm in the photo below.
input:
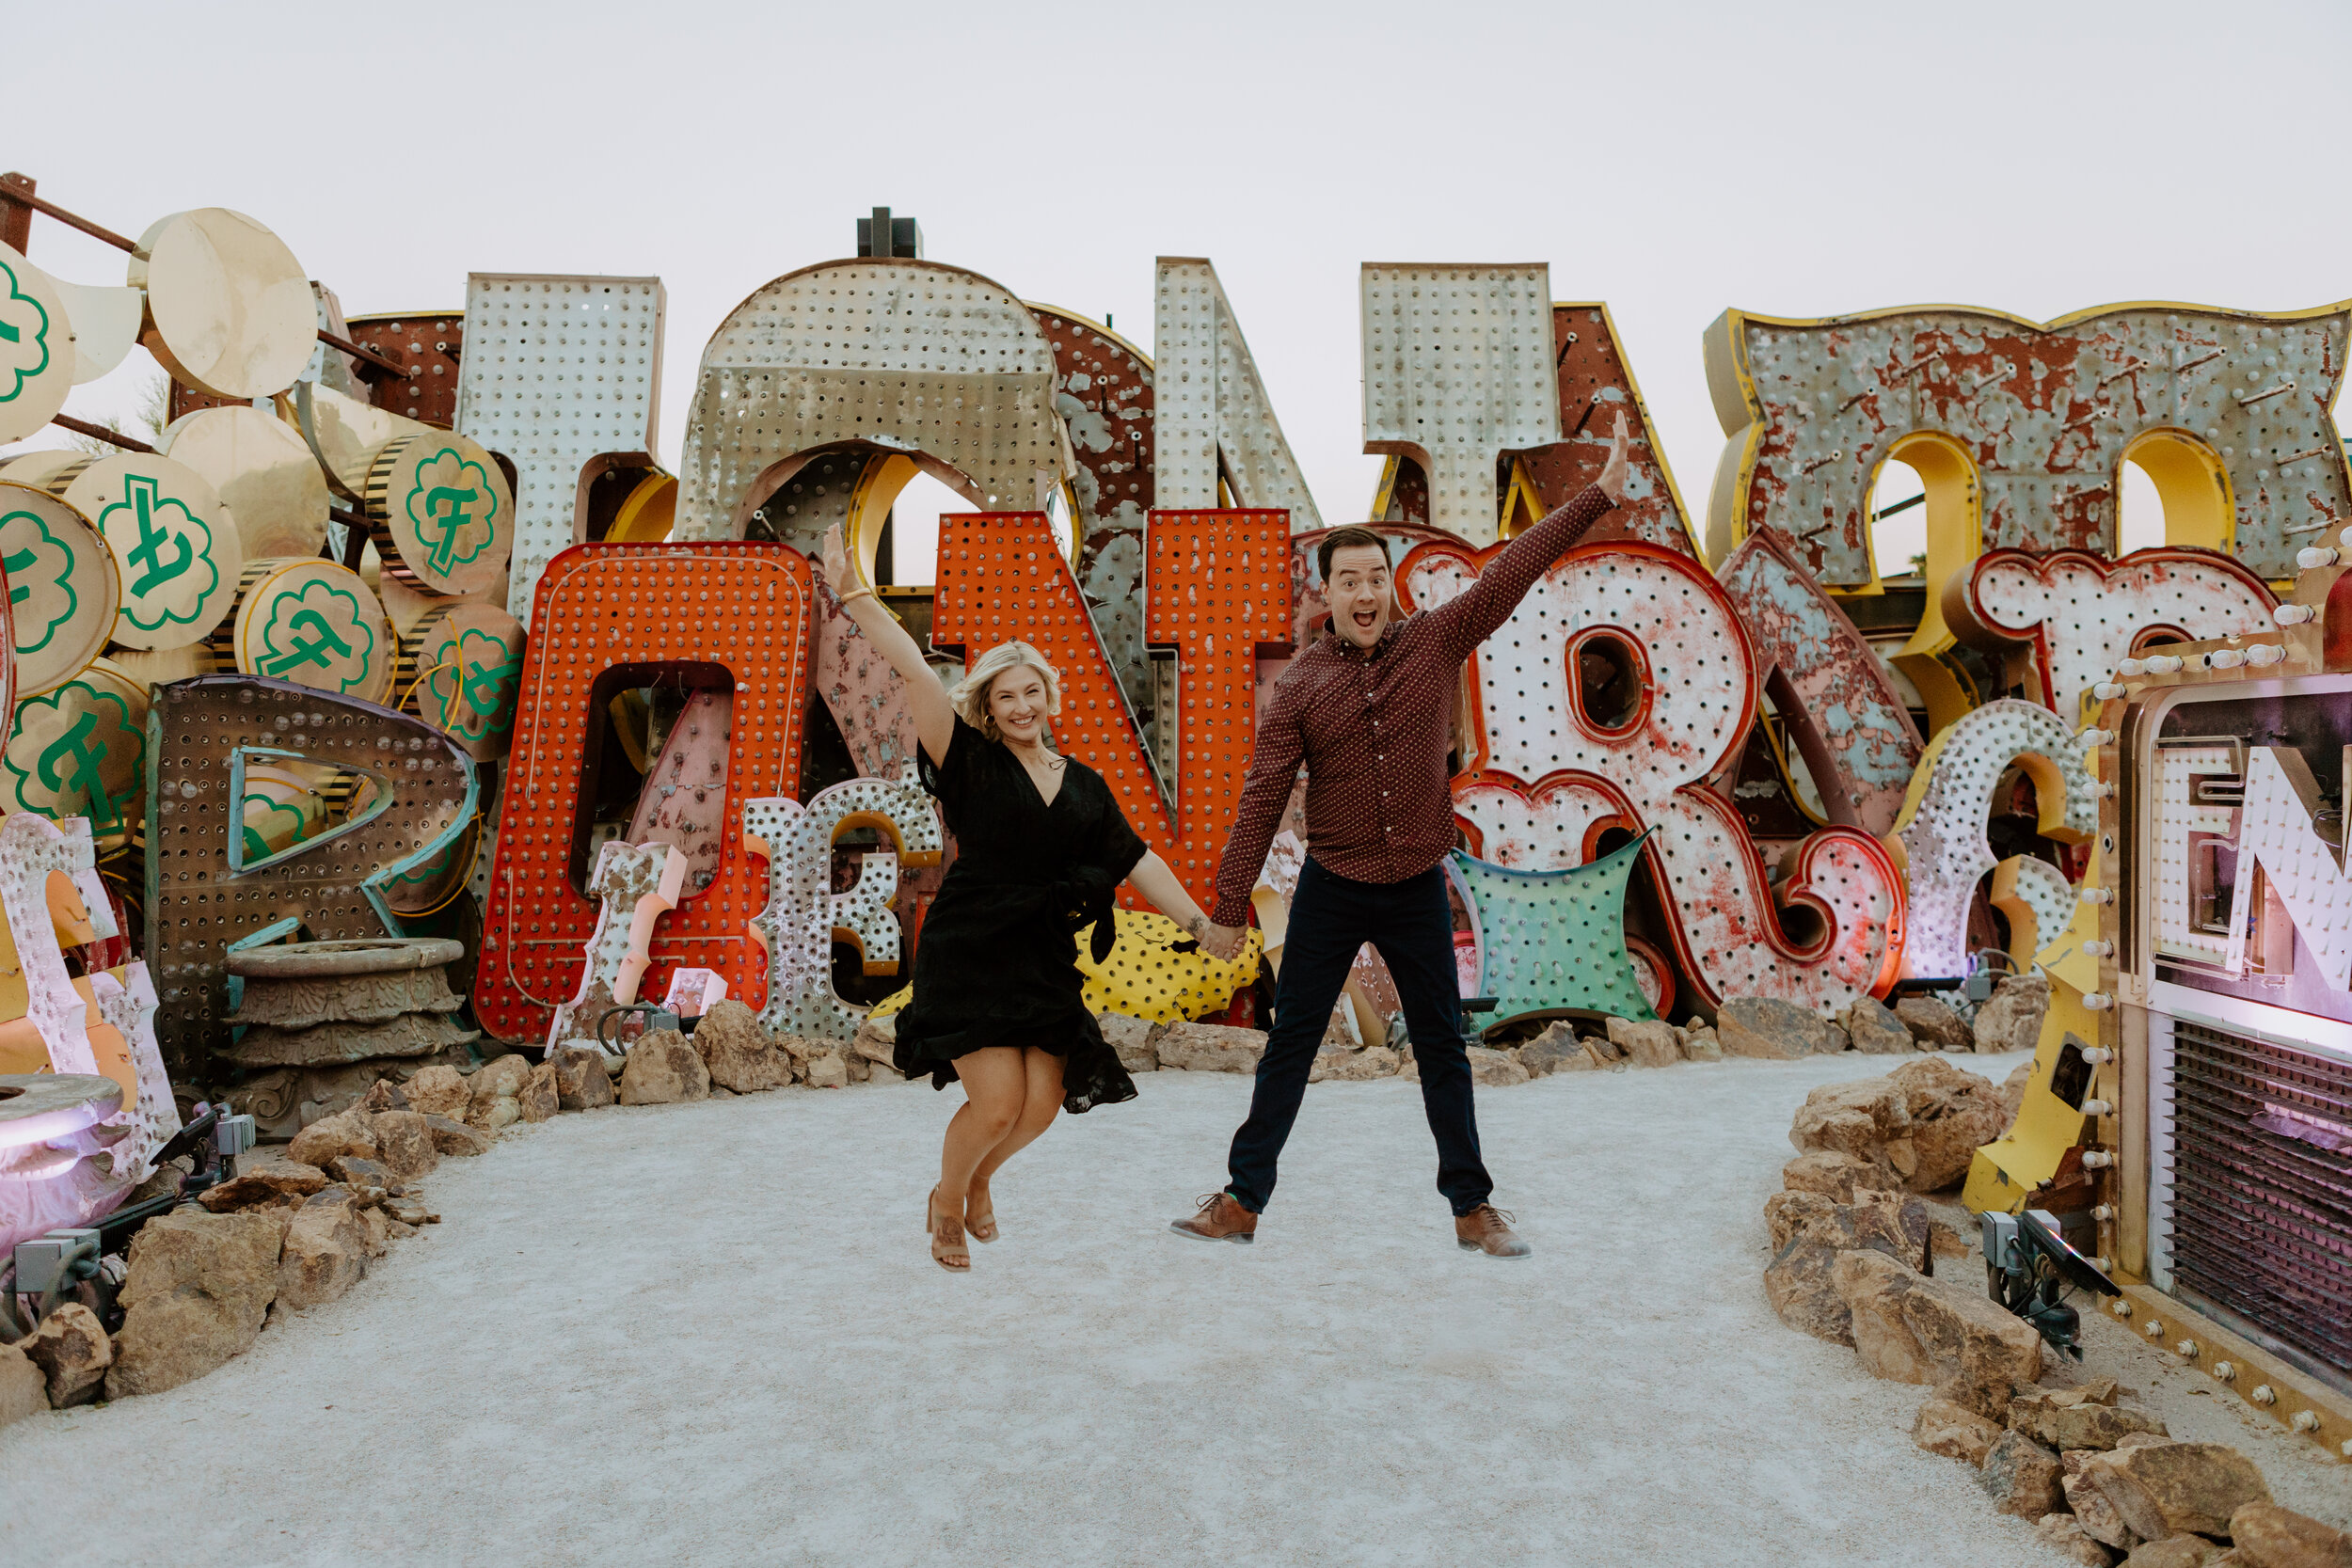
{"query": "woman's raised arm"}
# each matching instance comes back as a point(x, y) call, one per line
point(934, 716)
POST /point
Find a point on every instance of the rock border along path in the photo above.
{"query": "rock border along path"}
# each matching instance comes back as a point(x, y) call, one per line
point(708, 1333)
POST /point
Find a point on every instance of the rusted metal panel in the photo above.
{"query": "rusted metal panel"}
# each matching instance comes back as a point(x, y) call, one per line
point(431, 346)
point(201, 895)
point(1595, 383)
point(2043, 413)
point(1551, 776)
point(684, 801)
point(1214, 417)
point(905, 354)
point(2081, 616)
point(863, 693)
point(1838, 704)
point(558, 372)
point(1457, 373)
point(1102, 389)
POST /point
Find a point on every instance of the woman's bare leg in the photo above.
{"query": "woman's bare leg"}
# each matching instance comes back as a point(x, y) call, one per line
point(1040, 1105)
point(994, 1088)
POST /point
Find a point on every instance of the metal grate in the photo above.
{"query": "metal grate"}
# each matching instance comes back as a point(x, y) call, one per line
point(2262, 1187)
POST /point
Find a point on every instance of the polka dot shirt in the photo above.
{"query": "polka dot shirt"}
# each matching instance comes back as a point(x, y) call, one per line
point(1373, 726)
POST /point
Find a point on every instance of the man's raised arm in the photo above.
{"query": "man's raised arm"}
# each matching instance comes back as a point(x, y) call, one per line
point(1471, 616)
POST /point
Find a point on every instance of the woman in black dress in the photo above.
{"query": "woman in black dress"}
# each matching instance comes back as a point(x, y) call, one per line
point(1041, 849)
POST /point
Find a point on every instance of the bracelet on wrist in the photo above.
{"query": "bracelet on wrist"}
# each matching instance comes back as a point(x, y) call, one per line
point(848, 600)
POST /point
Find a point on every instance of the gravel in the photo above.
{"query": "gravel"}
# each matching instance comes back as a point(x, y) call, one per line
point(711, 1333)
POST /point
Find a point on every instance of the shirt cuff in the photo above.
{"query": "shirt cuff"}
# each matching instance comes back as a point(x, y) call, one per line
point(1229, 911)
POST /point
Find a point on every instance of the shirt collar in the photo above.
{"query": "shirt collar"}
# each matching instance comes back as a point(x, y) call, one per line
point(1346, 649)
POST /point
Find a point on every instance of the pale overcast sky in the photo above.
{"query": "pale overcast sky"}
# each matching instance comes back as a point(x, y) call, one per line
point(1672, 160)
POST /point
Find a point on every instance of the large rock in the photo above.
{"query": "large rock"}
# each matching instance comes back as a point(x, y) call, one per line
point(2077, 1425)
point(2012, 1021)
point(456, 1138)
point(1769, 1027)
point(1812, 1233)
point(1372, 1061)
point(2024, 1477)
point(438, 1091)
point(740, 1054)
point(875, 1040)
point(1701, 1044)
point(1209, 1046)
point(2100, 1521)
point(351, 1132)
point(2268, 1536)
point(1952, 1114)
point(369, 1181)
point(1875, 1030)
point(23, 1390)
point(582, 1082)
point(404, 1143)
point(1650, 1044)
point(2013, 1092)
point(1909, 1328)
point(326, 1251)
point(496, 1086)
point(1494, 1069)
point(537, 1100)
point(266, 1182)
point(1982, 1389)
point(2180, 1551)
point(198, 1290)
point(2066, 1536)
point(1556, 1050)
point(1130, 1038)
point(2164, 1489)
point(73, 1352)
point(827, 1070)
point(1943, 1427)
point(1934, 1026)
point(662, 1070)
point(1868, 1119)
point(1834, 1174)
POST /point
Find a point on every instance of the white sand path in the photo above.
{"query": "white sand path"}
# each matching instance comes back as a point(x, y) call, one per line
point(710, 1334)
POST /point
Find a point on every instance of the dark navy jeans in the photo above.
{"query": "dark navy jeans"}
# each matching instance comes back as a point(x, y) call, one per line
point(1408, 925)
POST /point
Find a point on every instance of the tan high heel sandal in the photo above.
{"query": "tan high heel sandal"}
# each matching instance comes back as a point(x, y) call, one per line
point(946, 1234)
point(981, 1227)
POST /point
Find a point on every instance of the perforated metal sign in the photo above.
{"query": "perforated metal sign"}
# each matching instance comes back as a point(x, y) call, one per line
point(2082, 616)
point(1214, 417)
point(1943, 826)
point(610, 617)
point(1830, 687)
point(805, 916)
point(907, 354)
point(1217, 592)
point(1458, 371)
point(558, 371)
point(1567, 748)
point(2020, 428)
point(204, 892)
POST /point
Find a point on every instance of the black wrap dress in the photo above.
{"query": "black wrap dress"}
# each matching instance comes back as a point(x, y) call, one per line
point(997, 963)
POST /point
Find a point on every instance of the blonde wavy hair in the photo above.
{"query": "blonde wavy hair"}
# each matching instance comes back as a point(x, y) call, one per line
point(970, 694)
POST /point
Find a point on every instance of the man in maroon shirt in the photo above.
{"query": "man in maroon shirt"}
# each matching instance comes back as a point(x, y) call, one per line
point(1369, 709)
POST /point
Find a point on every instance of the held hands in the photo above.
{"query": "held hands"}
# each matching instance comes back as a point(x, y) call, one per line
point(1225, 941)
point(1611, 479)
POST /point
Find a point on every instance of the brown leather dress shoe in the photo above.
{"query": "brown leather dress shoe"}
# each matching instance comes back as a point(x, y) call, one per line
point(1487, 1230)
point(1221, 1219)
